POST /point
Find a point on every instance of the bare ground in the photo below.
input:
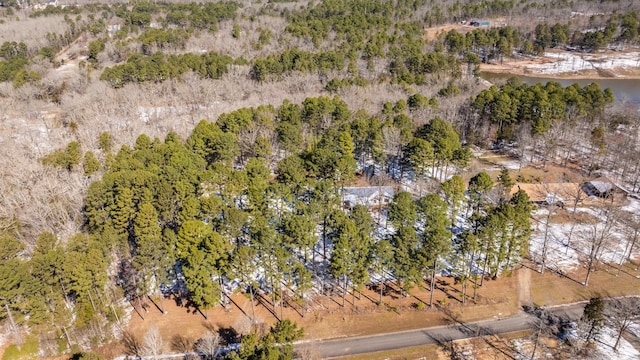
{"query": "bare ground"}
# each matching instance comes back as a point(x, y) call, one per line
point(326, 318)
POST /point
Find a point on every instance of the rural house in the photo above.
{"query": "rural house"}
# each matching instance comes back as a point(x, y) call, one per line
point(367, 196)
point(601, 187)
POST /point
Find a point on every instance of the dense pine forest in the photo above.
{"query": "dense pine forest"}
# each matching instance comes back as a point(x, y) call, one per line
point(194, 151)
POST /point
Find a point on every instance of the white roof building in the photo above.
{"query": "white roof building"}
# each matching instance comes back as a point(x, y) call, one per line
point(367, 195)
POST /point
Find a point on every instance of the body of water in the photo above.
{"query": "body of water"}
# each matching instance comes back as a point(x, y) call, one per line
point(624, 90)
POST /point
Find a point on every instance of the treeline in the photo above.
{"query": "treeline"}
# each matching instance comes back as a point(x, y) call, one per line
point(12, 66)
point(351, 21)
point(159, 67)
point(515, 105)
point(198, 16)
point(297, 60)
point(64, 289)
point(486, 45)
point(619, 28)
point(497, 43)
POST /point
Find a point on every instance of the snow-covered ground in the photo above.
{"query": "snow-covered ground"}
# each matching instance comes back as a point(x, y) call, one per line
point(603, 350)
point(569, 62)
point(568, 243)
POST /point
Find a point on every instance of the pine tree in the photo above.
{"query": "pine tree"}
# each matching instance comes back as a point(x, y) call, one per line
point(243, 265)
point(594, 318)
point(11, 277)
point(299, 232)
point(90, 163)
point(343, 261)
point(454, 192)
point(504, 179)
point(406, 268)
point(402, 210)
point(382, 262)
point(123, 210)
point(152, 258)
point(479, 185)
point(204, 292)
point(436, 239)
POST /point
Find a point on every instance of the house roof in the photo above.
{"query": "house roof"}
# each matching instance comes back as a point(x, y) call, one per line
point(368, 191)
point(549, 192)
point(602, 184)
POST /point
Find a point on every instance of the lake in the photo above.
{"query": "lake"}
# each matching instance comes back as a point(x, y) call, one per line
point(624, 90)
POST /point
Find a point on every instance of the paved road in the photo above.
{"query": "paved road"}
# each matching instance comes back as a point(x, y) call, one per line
point(435, 335)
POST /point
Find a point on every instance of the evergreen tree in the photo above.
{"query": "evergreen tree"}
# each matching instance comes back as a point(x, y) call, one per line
point(402, 210)
point(504, 179)
point(343, 263)
point(152, 258)
point(594, 318)
point(419, 155)
point(243, 265)
point(202, 253)
point(436, 239)
point(454, 192)
point(11, 278)
point(299, 232)
point(90, 163)
point(406, 268)
point(479, 185)
point(382, 262)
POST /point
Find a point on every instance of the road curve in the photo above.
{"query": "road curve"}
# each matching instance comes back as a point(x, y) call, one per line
point(435, 335)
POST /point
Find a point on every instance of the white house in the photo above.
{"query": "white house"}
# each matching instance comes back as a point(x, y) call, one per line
point(367, 196)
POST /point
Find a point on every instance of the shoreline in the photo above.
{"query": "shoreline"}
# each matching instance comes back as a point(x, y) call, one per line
point(579, 75)
point(561, 64)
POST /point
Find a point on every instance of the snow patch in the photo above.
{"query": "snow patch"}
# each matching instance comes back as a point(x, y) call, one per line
point(572, 62)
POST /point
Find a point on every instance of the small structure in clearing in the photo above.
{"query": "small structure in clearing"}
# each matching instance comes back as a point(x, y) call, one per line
point(367, 195)
point(479, 23)
point(601, 187)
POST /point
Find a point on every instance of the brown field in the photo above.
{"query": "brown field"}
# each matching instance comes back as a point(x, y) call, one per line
point(328, 319)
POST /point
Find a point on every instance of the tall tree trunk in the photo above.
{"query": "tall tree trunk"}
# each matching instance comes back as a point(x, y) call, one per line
point(66, 334)
point(253, 309)
point(545, 243)
point(573, 224)
point(344, 290)
point(382, 285)
point(535, 345)
point(433, 282)
point(620, 331)
point(589, 269)
point(324, 237)
point(475, 288)
point(13, 323)
point(484, 268)
point(633, 244)
point(91, 300)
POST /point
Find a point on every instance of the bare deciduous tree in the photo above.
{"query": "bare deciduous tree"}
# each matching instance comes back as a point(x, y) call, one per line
point(131, 344)
point(153, 343)
point(597, 236)
point(621, 313)
point(208, 345)
point(181, 344)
